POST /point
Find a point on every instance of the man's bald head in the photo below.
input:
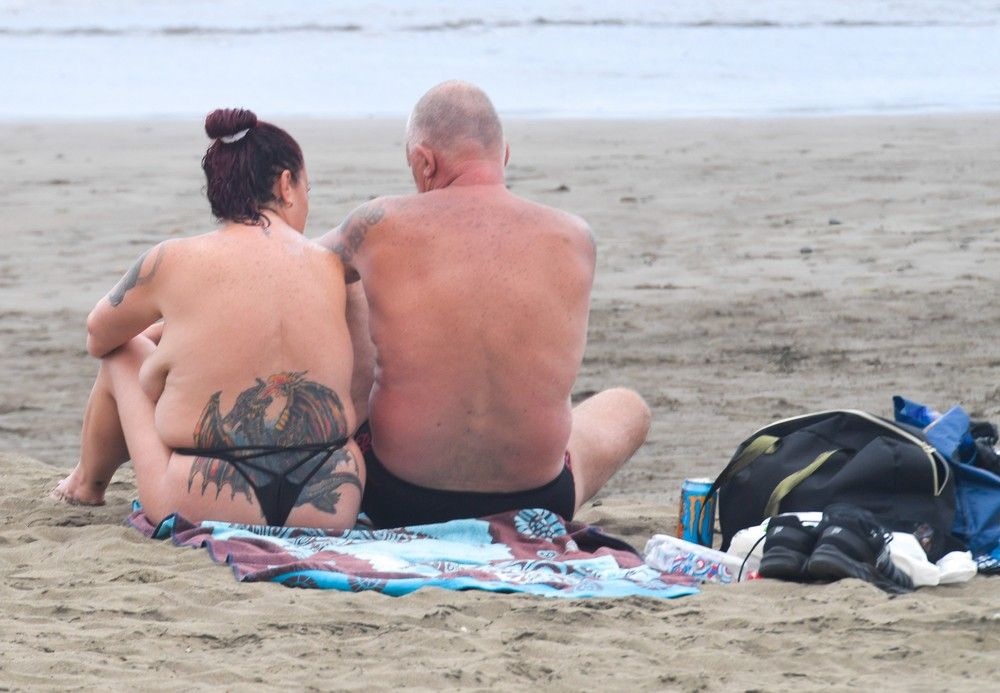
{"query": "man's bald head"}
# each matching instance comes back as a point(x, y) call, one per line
point(455, 116)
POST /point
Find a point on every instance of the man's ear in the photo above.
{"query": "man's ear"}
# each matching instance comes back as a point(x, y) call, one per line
point(506, 153)
point(426, 161)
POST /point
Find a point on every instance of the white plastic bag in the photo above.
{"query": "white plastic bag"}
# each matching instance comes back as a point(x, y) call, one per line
point(678, 557)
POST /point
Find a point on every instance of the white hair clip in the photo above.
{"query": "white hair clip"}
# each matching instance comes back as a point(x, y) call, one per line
point(235, 137)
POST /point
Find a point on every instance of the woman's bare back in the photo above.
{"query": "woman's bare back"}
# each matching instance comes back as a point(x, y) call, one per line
point(243, 308)
point(251, 376)
point(226, 361)
point(249, 379)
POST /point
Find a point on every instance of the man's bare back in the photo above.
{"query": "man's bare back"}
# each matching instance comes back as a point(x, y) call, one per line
point(478, 304)
point(478, 307)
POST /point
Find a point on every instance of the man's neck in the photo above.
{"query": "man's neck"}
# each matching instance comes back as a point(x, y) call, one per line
point(476, 172)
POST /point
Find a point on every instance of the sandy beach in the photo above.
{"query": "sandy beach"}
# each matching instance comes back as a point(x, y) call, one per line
point(748, 270)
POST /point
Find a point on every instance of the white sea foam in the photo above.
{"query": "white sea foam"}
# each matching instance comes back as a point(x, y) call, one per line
point(117, 58)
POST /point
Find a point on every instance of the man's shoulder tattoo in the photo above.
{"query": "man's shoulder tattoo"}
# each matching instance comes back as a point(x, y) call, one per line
point(355, 229)
point(134, 276)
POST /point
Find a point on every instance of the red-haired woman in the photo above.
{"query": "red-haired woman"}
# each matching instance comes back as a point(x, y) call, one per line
point(225, 358)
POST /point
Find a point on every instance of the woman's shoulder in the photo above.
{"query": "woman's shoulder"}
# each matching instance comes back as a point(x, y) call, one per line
point(323, 255)
point(178, 244)
point(164, 258)
point(189, 246)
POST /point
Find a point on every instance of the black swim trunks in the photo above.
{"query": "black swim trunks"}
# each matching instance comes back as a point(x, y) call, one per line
point(392, 502)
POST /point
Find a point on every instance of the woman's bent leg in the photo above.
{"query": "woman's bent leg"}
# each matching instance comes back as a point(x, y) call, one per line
point(102, 447)
point(119, 425)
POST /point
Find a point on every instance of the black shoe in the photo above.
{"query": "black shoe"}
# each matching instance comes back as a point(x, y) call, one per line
point(853, 544)
point(787, 546)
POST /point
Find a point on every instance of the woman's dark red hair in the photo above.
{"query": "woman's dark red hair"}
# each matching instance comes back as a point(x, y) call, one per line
point(241, 173)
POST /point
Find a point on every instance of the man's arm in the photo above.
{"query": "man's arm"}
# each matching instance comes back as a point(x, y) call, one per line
point(129, 308)
point(347, 239)
point(364, 349)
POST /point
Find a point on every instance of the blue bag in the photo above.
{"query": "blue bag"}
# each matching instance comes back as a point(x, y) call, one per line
point(977, 491)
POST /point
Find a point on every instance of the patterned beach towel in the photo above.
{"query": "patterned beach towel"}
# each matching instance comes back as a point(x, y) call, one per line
point(532, 551)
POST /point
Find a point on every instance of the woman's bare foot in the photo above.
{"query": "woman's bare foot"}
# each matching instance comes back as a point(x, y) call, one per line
point(75, 490)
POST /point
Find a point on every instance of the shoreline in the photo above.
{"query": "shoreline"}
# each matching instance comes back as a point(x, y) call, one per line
point(943, 112)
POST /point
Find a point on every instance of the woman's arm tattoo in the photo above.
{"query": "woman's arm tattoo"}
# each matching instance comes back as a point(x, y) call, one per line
point(134, 278)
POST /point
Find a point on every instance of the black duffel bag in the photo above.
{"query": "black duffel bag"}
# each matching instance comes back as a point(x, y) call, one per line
point(807, 462)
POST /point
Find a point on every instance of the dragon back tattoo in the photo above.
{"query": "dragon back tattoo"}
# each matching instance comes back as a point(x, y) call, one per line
point(284, 434)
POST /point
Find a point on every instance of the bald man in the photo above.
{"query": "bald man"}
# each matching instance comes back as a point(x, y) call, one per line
point(477, 308)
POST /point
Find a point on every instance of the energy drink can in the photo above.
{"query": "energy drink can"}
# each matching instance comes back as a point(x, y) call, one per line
point(696, 517)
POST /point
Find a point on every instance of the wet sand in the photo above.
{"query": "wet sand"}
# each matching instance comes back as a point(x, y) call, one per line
point(747, 270)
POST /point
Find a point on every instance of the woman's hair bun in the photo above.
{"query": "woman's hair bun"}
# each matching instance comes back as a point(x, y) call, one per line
point(242, 163)
point(223, 122)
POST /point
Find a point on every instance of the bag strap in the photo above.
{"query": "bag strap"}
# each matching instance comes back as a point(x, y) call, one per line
point(761, 445)
point(786, 485)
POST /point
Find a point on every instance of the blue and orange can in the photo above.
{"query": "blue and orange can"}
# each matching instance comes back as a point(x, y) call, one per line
point(696, 516)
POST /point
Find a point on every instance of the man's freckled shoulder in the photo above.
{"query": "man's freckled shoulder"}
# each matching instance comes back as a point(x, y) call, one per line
point(391, 203)
point(577, 228)
point(568, 219)
point(578, 222)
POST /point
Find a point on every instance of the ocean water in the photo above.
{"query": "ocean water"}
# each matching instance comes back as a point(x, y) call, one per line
point(563, 58)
